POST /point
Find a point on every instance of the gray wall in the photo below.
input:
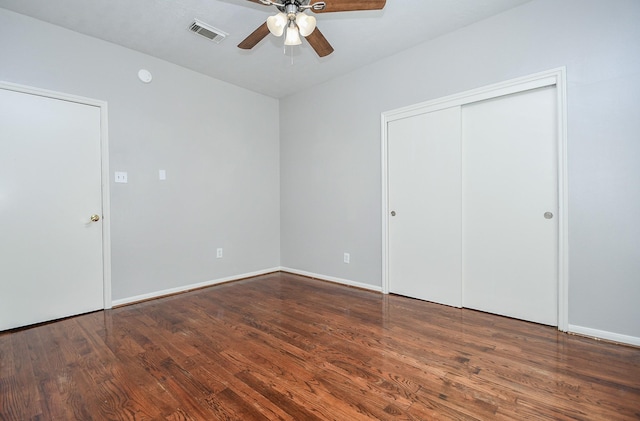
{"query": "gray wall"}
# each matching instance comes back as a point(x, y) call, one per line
point(330, 183)
point(222, 187)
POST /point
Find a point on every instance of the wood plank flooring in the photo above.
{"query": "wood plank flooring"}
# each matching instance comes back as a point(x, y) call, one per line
point(284, 347)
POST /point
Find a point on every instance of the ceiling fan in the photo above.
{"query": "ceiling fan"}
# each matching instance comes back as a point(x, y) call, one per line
point(292, 20)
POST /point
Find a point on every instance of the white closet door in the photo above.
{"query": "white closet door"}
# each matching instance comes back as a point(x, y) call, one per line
point(424, 201)
point(50, 186)
point(509, 183)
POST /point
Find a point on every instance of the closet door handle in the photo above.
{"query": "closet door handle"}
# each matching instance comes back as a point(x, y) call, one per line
point(393, 213)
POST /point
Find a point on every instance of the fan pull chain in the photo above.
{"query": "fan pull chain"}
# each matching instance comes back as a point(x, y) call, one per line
point(290, 51)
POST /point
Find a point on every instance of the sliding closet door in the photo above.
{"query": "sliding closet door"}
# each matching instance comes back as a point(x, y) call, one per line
point(510, 206)
point(424, 205)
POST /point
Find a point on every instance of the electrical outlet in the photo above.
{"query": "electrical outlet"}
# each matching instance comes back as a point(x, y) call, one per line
point(347, 258)
point(219, 253)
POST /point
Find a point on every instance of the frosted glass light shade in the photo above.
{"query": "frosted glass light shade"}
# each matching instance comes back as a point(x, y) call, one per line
point(305, 23)
point(293, 36)
point(277, 23)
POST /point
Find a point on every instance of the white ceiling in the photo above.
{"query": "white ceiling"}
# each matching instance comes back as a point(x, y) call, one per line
point(159, 28)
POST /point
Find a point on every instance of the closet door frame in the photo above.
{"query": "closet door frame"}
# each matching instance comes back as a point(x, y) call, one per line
point(554, 77)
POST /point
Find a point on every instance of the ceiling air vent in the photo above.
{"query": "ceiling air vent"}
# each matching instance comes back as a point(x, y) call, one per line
point(207, 31)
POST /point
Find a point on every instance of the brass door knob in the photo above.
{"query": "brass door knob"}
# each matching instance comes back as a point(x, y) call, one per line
point(95, 218)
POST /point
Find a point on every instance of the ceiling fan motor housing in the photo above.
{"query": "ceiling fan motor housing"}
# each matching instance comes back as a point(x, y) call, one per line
point(286, 6)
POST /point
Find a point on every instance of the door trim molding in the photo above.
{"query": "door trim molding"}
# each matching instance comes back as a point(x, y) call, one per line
point(554, 77)
point(104, 156)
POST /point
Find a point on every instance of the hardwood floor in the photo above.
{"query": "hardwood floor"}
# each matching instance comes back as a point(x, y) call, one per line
point(285, 347)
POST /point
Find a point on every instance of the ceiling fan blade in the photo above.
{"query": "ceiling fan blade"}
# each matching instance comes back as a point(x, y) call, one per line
point(319, 43)
point(351, 5)
point(255, 37)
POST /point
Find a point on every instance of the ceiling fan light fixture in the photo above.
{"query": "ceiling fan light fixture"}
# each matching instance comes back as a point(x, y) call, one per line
point(277, 23)
point(306, 24)
point(293, 36)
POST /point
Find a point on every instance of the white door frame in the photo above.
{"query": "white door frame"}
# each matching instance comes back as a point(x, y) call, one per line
point(104, 156)
point(554, 77)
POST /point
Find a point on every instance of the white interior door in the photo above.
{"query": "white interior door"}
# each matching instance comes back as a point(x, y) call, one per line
point(50, 186)
point(509, 183)
point(424, 201)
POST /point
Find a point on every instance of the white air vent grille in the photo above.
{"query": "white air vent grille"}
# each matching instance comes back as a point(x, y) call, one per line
point(207, 31)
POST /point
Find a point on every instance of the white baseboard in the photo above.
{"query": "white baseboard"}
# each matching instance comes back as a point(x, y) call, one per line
point(603, 334)
point(185, 288)
point(332, 279)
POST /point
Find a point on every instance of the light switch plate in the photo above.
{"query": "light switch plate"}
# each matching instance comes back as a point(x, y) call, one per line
point(162, 174)
point(121, 177)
